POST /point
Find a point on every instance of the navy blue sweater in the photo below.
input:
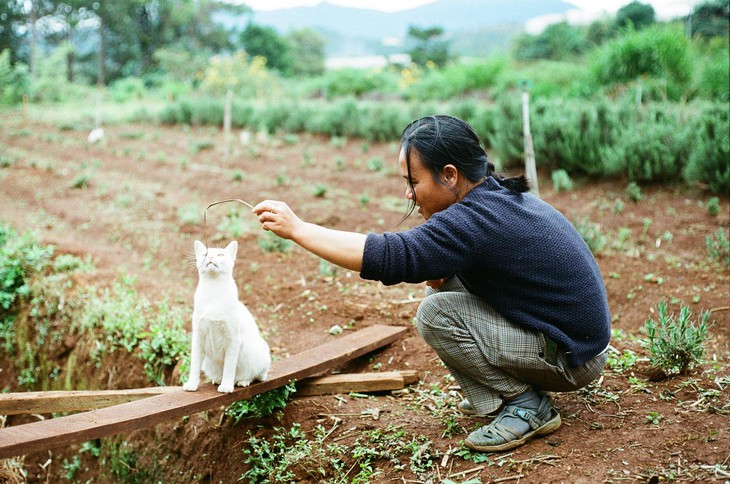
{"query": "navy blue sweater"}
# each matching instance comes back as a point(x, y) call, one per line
point(514, 250)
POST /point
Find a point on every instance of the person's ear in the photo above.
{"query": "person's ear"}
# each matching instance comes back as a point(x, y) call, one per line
point(450, 175)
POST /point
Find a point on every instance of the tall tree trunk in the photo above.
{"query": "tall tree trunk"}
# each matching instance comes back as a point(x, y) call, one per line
point(100, 79)
point(69, 58)
point(33, 18)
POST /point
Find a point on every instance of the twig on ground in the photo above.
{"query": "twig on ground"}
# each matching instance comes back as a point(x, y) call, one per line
point(510, 478)
point(463, 473)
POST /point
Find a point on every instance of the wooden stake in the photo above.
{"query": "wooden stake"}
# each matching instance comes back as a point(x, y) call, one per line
point(530, 169)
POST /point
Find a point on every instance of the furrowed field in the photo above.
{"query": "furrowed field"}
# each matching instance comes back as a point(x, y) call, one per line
point(97, 273)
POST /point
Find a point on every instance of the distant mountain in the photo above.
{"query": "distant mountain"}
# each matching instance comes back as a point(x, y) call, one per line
point(452, 15)
point(357, 31)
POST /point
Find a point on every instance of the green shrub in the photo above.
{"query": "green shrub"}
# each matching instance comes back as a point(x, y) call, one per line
point(561, 181)
point(356, 82)
point(164, 343)
point(576, 136)
point(126, 89)
point(718, 247)
point(710, 148)
point(633, 191)
point(14, 80)
point(508, 141)
point(261, 405)
point(713, 206)
point(676, 345)
point(660, 51)
point(20, 257)
point(655, 152)
point(270, 242)
point(591, 233)
point(714, 70)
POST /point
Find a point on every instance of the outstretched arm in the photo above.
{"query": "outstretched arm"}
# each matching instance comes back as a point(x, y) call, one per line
point(344, 249)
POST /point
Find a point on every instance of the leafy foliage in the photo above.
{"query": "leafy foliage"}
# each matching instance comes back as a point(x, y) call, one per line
point(676, 344)
point(708, 158)
point(430, 46)
point(660, 51)
point(261, 405)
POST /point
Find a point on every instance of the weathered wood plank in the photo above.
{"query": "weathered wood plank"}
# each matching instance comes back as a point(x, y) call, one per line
point(77, 428)
point(355, 382)
point(73, 401)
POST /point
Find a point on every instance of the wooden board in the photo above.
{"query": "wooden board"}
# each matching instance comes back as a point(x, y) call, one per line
point(74, 429)
point(84, 400)
point(73, 401)
point(355, 382)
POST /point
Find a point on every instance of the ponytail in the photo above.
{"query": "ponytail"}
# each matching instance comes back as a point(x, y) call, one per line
point(516, 184)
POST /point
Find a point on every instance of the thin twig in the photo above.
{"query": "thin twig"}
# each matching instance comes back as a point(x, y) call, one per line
point(510, 478)
point(463, 473)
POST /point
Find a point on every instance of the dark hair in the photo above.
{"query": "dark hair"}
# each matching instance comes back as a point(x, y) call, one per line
point(445, 140)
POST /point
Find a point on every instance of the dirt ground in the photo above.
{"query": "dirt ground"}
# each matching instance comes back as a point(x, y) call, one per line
point(132, 215)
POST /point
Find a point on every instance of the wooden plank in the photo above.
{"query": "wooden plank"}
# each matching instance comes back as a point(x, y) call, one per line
point(73, 401)
point(77, 428)
point(355, 382)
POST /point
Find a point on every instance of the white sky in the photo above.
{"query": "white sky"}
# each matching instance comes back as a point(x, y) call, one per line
point(664, 8)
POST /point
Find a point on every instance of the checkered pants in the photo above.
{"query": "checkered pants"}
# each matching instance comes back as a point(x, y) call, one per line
point(491, 358)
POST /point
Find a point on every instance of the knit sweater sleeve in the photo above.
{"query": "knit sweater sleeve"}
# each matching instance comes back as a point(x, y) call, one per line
point(441, 247)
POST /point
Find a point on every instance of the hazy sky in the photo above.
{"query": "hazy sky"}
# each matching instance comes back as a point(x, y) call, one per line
point(664, 8)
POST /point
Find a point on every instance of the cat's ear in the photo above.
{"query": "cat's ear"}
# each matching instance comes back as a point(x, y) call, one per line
point(199, 248)
point(232, 249)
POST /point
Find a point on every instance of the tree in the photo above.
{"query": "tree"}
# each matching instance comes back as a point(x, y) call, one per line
point(11, 16)
point(429, 46)
point(711, 19)
point(264, 42)
point(557, 42)
point(307, 52)
point(638, 14)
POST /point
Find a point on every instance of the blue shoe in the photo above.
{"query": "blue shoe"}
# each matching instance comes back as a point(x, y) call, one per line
point(497, 437)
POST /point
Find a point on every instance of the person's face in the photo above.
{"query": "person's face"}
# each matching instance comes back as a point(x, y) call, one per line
point(429, 195)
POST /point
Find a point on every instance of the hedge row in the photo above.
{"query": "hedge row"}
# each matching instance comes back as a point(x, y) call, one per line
point(657, 142)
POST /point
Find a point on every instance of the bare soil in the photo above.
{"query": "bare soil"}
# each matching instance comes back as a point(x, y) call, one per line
point(130, 219)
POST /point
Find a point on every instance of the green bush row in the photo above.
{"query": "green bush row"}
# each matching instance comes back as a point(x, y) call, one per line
point(654, 142)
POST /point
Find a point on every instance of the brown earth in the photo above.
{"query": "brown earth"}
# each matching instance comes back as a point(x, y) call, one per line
point(128, 219)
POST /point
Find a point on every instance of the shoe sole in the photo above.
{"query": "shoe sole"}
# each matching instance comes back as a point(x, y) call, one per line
point(548, 427)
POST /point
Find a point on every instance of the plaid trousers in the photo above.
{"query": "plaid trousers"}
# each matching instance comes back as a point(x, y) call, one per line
point(491, 358)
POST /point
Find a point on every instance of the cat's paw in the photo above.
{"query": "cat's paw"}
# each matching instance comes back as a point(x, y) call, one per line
point(225, 388)
point(243, 383)
point(191, 386)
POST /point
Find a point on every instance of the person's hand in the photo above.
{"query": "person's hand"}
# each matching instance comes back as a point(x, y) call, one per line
point(437, 283)
point(277, 217)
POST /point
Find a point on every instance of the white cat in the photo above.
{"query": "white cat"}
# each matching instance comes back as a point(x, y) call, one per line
point(227, 344)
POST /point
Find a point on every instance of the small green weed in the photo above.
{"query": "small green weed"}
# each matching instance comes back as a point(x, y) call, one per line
point(81, 181)
point(189, 214)
point(233, 225)
point(676, 345)
point(261, 405)
point(713, 206)
point(561, 181)
point(718, 247)
point(270, 242)
point(633, 191)
point(591, 234)
point(164, 343)
point(320, 190)
point(653, 418)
